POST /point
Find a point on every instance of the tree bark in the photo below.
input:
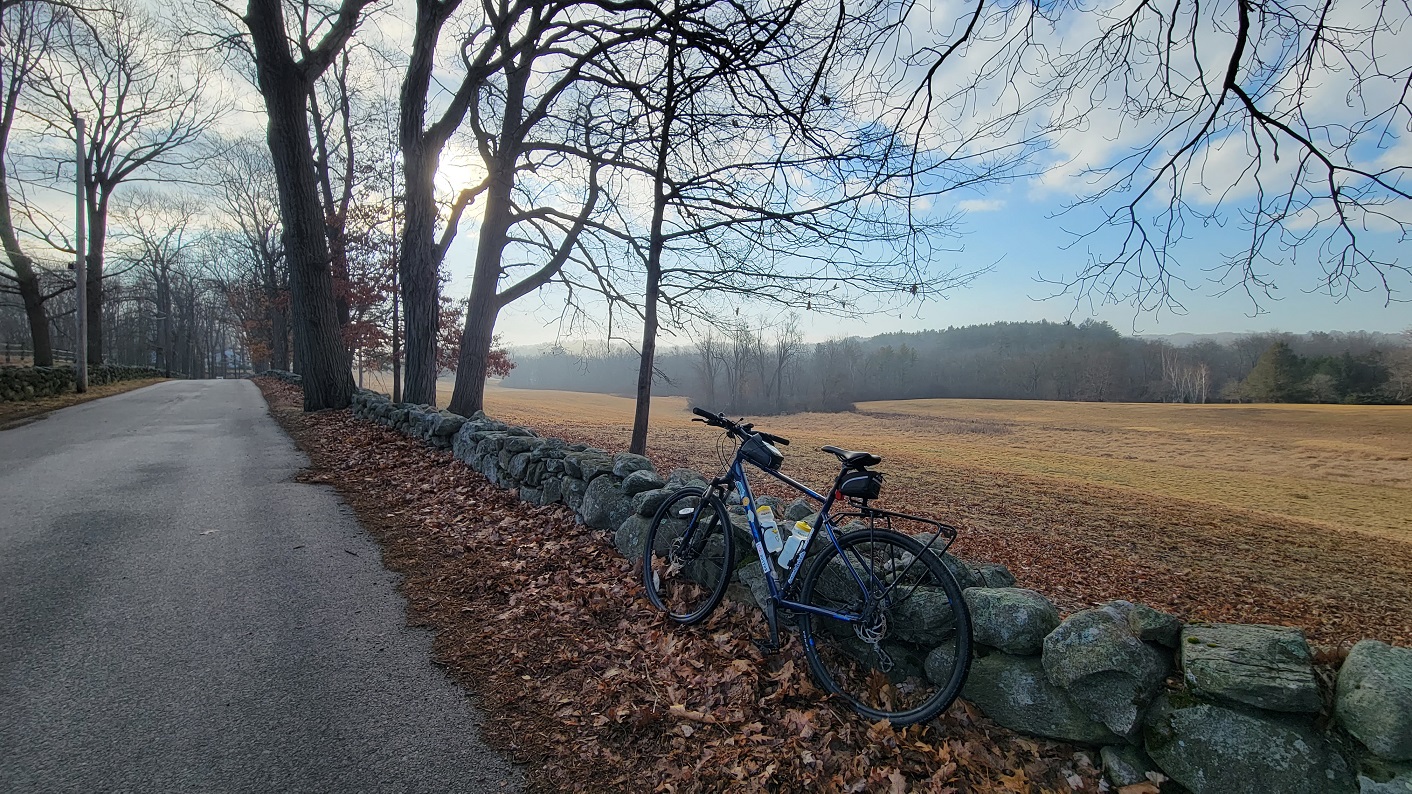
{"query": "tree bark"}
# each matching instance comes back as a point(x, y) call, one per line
point(484, 305)
point(646, 365)
point(419, 263)
point(97, 202)
point(660, 193)
point(26, 281)
point(417, 275)
point(279, 321)
point(318, 348)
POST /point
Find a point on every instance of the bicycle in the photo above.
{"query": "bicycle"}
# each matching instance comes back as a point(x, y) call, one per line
point(882, 619)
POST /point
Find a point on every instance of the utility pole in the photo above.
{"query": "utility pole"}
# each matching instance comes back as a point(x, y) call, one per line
point(396, 267)
point(80, 261)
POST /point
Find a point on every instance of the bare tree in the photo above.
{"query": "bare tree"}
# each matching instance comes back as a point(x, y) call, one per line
point(422, 249)
point(544, 142)
point(160, 233)
point(24, 40)
point(256, 278)
point(778, 172)
point(286, 84)
point(144, 95)
point(1283, 120)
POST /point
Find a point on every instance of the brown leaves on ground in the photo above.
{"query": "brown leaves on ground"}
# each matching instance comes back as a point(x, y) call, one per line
point(590, 687)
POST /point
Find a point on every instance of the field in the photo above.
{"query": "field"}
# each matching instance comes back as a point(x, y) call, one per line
point(1295, 515)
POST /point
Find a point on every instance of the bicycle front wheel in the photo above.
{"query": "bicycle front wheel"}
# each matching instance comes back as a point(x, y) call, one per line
point(901, 648)
point(689, 555)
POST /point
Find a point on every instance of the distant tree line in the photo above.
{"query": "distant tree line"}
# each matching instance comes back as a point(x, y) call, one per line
point(771, 370)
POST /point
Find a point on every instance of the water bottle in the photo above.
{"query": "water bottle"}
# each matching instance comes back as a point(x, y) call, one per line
point(798, 537)
point(768, 528)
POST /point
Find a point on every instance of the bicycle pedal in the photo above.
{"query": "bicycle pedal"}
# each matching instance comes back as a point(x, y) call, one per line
point(766, 646)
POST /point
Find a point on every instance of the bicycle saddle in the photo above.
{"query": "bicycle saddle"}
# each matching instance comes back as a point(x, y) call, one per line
point(854, 459)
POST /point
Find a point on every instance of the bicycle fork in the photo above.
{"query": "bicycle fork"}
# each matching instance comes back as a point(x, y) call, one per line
point(771, 603)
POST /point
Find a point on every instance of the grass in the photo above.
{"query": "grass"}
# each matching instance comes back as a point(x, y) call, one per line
point(16, 413)
point(1300, 515)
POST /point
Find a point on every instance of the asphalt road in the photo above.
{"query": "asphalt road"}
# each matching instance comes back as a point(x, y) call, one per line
point(178, 615)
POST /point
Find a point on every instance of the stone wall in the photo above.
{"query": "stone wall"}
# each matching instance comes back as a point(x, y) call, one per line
point(1215, 707)
point(28, 383)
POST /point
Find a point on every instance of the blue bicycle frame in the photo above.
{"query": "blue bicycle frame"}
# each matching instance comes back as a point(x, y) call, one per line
point(736, 477)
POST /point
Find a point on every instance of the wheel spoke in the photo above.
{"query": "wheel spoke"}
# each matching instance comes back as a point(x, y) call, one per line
point(687, 557)
point(905, 657)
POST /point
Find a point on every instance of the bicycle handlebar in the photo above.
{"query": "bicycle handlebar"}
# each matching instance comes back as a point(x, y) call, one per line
point(740, 430)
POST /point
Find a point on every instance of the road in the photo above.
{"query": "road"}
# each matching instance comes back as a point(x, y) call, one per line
point(178, 615)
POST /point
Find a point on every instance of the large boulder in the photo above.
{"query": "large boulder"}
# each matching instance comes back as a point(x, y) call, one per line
point(551, 490)
point(573, 493)
point(1012, 619)
point(1385, 779)
point(625, 463)
point(799, 509)
point(642, 480)
point(680, 477)
point(1212, 748)
point(1105, 666)
point(630, 539)
point(1268, 667)
point(647, 503)
point(1373, 698)
point(1125, 766)
point(1149, 624)
point(591, 465)
point(993, 574)
point(447, 425)
point(749, 586)
point(1015, 692)
point(961, 570)
point(605, 506)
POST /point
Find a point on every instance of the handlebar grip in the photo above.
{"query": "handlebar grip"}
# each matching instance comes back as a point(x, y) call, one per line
point(700, 412)
point(774, 439)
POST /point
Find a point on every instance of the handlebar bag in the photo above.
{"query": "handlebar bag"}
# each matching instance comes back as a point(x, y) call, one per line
point(761, 452)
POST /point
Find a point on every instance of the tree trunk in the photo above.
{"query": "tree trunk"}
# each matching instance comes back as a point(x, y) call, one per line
point(318, 348)
point(417, 275)
point(27, 280)
point(646, 364)
point(474, 361)
point(279, 320)
point(420, 260)
point(97, 203)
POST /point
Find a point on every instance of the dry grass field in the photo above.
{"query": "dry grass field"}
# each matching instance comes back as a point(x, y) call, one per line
point(1297, 515)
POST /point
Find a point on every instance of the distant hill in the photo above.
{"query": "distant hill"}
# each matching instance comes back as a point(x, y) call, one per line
point(1230, 337)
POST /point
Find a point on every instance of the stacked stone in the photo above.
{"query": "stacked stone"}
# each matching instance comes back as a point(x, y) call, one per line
point(1245, 714)
point(1373, 702)
point(28, 383)
point(284, 375)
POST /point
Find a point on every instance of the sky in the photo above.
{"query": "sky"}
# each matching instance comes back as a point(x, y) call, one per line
point(1020, 233)
point(1027, 244)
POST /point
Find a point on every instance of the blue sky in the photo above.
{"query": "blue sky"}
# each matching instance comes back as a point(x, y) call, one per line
point(1022, 238)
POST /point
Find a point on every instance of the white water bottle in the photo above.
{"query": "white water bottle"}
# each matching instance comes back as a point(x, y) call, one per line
point(798, 538)
point(768, 528)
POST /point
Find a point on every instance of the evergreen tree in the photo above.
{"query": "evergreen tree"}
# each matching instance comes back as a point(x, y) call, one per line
point(1277, 377)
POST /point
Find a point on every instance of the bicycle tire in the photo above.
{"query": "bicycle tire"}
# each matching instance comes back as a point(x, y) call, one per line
point(908, 657)
point(687, 564)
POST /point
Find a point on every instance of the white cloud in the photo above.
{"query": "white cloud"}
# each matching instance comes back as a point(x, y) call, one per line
point(980, 205)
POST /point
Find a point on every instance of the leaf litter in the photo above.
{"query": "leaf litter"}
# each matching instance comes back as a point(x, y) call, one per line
point(589, 687)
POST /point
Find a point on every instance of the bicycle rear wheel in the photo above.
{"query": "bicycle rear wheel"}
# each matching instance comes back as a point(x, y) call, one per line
point(689, 555)
point(905, 649)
